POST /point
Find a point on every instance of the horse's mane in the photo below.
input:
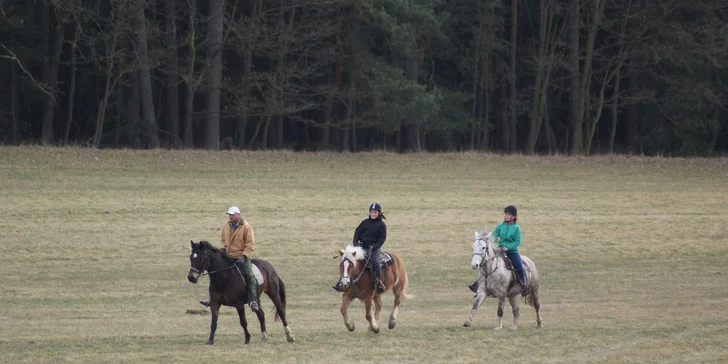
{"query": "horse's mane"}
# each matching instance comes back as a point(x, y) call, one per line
point(207, 246)
point(485, 232)
point(349, 253)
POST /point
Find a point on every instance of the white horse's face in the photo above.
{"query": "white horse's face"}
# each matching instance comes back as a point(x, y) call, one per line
point(348, 260)
point(480, 247)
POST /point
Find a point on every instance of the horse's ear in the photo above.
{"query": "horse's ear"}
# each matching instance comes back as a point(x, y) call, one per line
point(192, 244)
point(353, 254)
point(341, 252)
point(475, 235)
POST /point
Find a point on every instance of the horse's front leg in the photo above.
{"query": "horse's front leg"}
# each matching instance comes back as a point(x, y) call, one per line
point(373, 326)
point(514, 304)
point(214, 311)
point(501, 301)
point(345, 301)
point(261, 319)
point(377, 308)
point(480, 296)
point(243, 323)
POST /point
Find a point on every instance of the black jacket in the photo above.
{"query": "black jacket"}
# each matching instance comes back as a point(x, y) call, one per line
point(371, 233)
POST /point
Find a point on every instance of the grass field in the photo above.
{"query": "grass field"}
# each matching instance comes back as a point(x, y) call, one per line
point(632, 254)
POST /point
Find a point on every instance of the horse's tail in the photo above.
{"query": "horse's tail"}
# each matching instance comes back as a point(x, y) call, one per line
point(530, 299)
point(282, 293)
point(406, 294)
point(402, 268)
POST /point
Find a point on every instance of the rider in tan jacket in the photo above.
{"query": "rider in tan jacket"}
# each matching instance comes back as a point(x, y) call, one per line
point(238, 241)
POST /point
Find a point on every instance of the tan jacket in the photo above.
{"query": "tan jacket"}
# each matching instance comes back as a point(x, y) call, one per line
point(242, 242)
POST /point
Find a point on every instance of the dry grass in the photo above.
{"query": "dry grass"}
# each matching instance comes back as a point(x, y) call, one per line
point(95, 245)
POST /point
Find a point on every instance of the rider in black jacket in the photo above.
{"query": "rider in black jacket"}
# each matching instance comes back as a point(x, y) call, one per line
point(370, 235)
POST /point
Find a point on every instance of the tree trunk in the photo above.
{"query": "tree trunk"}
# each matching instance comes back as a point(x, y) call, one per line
point(72, 86)
point(615, 106)
point(133, 110)
point(172, 79)
point(108, 86)
point(513, 76)
point(504, 117)
point(14, 104)
point(215, 30)
point(52, 80)
point(549, 33)
point(145, 80)
point(632, 117)
point(349, 124)
point(575, 97)
point(190, 76)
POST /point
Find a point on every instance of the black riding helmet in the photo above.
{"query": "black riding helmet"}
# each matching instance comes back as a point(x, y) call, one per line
point(511, 210)
point(375, 207)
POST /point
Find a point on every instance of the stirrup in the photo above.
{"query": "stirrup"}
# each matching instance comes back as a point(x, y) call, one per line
point(379, 287)
point(336, 287)
point(525, 290)
point(254, 306)
point(474, 287)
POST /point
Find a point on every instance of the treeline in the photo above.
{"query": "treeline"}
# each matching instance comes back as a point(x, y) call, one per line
point(530, 76)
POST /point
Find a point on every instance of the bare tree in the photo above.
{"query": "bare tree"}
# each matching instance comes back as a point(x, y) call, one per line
point(214, 46)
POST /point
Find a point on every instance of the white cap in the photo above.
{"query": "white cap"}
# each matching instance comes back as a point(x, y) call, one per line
point(233, 210)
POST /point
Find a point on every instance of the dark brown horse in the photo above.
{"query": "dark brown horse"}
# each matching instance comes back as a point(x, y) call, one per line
point(358, 283)
point(227, 287)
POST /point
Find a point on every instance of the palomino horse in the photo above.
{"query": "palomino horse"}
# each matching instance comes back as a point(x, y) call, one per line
point(227, 287)
point(357, 282)
point(496, 280)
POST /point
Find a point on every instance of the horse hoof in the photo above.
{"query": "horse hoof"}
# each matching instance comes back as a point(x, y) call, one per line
point(350, 327)
point(376, 331)
point(290, 339)
point(392, 324)
point(466, 324)
point(209, 343)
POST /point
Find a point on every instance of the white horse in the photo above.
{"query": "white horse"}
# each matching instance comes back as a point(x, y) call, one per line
point(495, 280)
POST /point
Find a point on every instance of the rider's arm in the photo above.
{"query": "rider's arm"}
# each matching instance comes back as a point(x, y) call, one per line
point(249, 241)
point(382, 237)
point(357, 233)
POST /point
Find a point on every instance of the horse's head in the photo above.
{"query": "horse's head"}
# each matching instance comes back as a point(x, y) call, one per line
point(199, 262)
point(349, 259)
point(481, 248)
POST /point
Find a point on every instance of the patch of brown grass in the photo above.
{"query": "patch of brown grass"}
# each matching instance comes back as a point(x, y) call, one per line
point(95, 254)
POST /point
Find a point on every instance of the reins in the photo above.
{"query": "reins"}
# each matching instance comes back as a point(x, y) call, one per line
point(363, 267)
point(204, 260)
point(483, 263)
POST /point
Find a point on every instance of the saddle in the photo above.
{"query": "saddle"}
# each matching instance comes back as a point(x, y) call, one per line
point(385, 260)
point(512, 269)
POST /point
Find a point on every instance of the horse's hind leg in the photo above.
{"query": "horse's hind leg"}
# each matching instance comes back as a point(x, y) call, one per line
point(280, 310)
point(261, 319)
point(398, 295)
point(373, 325)
point(514, 304)
point(533, 296)
point(244, 323)
point(214, 310)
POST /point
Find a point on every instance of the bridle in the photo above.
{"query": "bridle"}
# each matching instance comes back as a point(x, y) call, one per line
point(205, 263)
point(483, 261)
point(354, 280)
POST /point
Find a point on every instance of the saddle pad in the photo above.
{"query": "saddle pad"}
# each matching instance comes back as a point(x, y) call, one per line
point(258, 275)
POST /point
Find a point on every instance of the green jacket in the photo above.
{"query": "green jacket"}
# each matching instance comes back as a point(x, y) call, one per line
point(510, 236)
